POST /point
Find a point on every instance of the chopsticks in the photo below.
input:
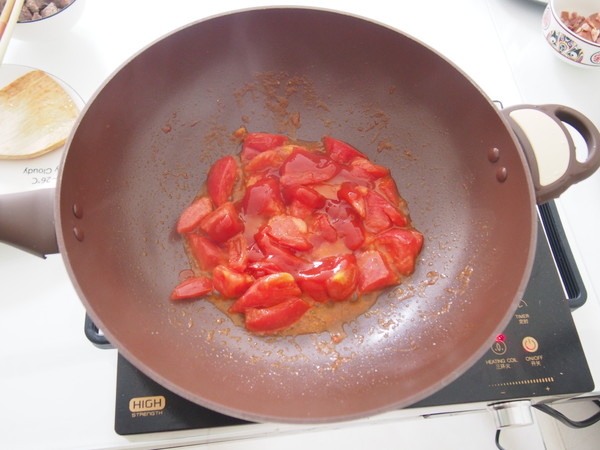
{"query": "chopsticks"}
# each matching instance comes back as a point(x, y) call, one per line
point(8, 18)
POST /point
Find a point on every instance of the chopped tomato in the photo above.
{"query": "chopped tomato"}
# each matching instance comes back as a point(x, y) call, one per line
point(222, 223)
point(305, 195)
point(267, 291)
point(374, 272)
point(264, 141)
point(365, 169)
point(193, 214)
point(401, 246)
point(354, 195)
point(237, 252)
point(263, 197)
point(387, 187)
point(274, 318)
point(340, 151)
point(276, 255)
point(221, 179)
point(289, 231)
point(256, 143)
point(381, 214)
point(206, 254)
point(303, 167)
point(346, 223)
point(270, 159)
point(296, 224)
point(321, 227)
point(332, 278)
point(229, 283)
point(192, 288)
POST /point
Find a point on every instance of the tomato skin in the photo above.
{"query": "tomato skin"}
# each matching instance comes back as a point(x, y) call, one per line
point(274, 318)
point(333, 278)
point(303, 167)
point(401, 246)
point(237, 252)
point(205, 252)
point(267, 291)
point(221, 178)
point(191, 288)
point(230, 283)
point(340, 151)
point(263, 197)
point(374, 272)
point(222, 223)
point(190, 218)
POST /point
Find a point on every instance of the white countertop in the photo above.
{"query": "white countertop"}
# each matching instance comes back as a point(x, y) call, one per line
point(58, 390)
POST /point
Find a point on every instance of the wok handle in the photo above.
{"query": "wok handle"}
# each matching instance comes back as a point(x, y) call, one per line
point(549, 146)
point(27, 221)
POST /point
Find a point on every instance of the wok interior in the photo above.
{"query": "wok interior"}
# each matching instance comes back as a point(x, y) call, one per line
point(143, 147)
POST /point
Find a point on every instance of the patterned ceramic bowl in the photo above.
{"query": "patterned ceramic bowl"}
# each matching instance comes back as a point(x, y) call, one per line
point(568, 44)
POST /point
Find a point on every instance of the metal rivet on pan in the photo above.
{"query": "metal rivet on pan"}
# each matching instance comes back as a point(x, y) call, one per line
point(494, 154)
point(77, 211)
point(502, 174)
point(78, 233)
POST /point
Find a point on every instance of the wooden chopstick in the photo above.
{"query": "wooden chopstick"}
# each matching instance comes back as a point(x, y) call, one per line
point(8, 18)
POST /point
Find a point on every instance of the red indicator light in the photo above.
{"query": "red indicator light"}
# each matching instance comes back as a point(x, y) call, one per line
point(500, 338)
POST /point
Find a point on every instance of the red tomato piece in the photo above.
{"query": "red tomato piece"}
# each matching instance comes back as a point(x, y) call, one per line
point(222, 223)
point(205, 252)
point(305, 195)
point(263, 197)
point(191, 288)
point(264, 141)
point(374, 272)
point(300, 210)
point(365, 169)
point(277, 317)
point(230, 283)
point(303, 167)
point(346, 223)
point(221, 178)
point(354, 195)
point(237, 252)
point(270, 159)
point(387, 187)
point(322, 228)
point(401, 246)
point(332, 278)
point(275, 255)
point(190, 218)
point(340, 151)
point(381, 214)
point(289, 231)
point(267, 291)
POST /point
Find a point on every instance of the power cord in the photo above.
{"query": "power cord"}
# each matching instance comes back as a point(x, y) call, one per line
point(561, 418)
point(565, 420)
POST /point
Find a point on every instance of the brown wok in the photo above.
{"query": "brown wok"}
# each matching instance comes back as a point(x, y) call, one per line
point(141, 149)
